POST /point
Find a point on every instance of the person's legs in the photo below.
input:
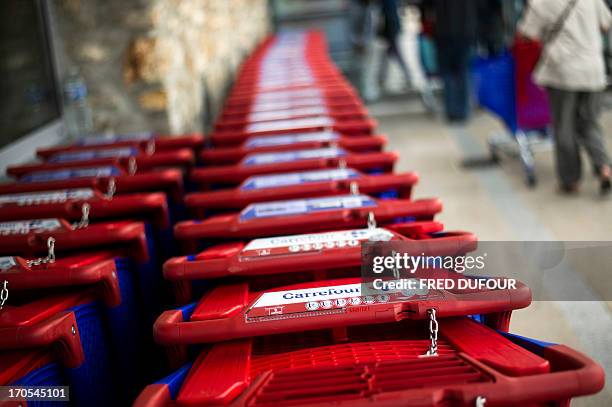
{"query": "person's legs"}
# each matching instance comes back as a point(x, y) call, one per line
point(462, 78)
point(445, 59)
point(567, 154)
point(588, 128)
point(454, 60)
point(588, 110)
point(383, 68)
point(395, 52)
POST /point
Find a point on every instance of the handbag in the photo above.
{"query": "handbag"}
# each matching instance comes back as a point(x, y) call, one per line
point(551, 35)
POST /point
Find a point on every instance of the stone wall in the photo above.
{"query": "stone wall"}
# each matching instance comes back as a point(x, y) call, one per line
point(150, 64)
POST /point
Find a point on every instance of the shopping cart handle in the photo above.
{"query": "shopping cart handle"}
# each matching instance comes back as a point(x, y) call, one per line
point(169, 180)
point(154, 395)
point(167, 328)
point(60, 330)
point(102, 274)
point(481, 302)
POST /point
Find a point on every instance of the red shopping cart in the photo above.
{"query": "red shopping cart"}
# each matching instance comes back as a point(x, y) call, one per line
point(270, 261)
point(239, 125)
point(111, 180)
point(234, 311)
point(293, 185)
point(305, 215)
point(333, 105)
point(75, 326)
point(145, 142)
point(308, 124)
point(382, 365)
point(86, 205)
point(30, 237)
point(292, 161)
point(71, 203)
point(126, 158)
point(98, 272)
point(279, 109)
point(288, 142)
point(126, 242)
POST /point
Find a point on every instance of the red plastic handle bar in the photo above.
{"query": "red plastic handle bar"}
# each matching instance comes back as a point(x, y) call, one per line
point(169, 181)
point(232, 155)
point(232, 175)
point(153, 207)
point(223, 313)
point(101, 274)
point(229, 126)
point(182, 158)
point(128, 236)
point(162, 143)
point(227, 260)
point(60, 330)
point(353, 127)
point(340, 107)
point(239, 198)
point(230, 226)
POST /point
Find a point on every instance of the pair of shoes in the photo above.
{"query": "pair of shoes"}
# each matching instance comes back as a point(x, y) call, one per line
point(569, 189)
point(605, 185)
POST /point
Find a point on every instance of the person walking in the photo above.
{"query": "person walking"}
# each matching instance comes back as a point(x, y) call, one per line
point(390, 30)
point(572, 69)
point(455, 30)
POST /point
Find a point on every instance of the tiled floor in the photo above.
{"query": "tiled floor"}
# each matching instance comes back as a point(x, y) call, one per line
point(494, 203)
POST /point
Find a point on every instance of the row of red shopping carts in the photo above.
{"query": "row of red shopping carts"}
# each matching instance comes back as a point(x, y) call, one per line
point(265, 278)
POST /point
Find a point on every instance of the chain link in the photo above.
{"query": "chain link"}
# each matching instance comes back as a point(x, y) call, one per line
point(50, 255)
point(481, 401)
point(342, 164)
point(354, 188)
point(150, 149)
point(132, 166)
point(4, 293)
point(84, 222)
point(111, 189)
point(396, 272)
point(371, 221)
point(433, 333)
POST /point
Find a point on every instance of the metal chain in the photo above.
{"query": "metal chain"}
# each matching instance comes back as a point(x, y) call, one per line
point(132, 166)
point(371, 221)
point(396, 272)
point(84, 222)
point(150, 149)
point(433, 333)
point(354, 188)
point(4, 293)
point(111, 189)
point(481, 401)
point(50, 255)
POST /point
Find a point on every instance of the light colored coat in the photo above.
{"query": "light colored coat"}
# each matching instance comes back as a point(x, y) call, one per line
point(574, 59)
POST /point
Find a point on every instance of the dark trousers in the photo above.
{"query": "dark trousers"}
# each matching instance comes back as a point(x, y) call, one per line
point(576, 123)
point(454, 65)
